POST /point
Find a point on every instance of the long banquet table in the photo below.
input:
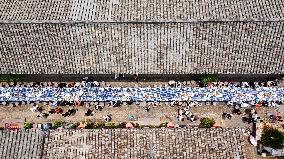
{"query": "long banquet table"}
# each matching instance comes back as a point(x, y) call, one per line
point(141, 94)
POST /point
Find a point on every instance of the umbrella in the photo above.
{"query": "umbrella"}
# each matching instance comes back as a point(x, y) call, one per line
point(82, 125)
point(129, 125)
point(131, 117)
point(170, 125)
point(47, 126)
point(216, 125)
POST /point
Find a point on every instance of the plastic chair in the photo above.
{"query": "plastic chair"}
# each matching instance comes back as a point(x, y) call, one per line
point(131, 117)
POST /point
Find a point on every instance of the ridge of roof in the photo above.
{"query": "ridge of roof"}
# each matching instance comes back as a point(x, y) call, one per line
point(141, 10)
point(147, 21)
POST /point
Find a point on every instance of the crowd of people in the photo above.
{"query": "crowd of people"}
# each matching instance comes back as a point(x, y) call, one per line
point(70, 112)
point(91, 91)
point(183, 113)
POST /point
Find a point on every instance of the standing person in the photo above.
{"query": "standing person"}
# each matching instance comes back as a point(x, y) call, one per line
point(135, 77)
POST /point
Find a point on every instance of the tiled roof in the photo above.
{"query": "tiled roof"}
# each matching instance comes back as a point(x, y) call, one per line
point(144, 48)
point(22, 144)
point(140, 10)
point(147, 143)
point(122, 143)
point(141, 36)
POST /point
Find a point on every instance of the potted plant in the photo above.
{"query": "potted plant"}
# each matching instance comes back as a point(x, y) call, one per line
point(89, 126)
point(206, 78)
point(207, 122)
point(100, 124)
point(110, 125)
point(28, 125)
point(58, 123)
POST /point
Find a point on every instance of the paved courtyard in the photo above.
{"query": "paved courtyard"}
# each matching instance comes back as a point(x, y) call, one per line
point(156, 116)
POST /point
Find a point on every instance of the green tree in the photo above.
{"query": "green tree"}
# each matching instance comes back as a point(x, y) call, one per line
point(58, 123)
point(272, 137)
point(28, 125)
point(207, 122)
point(206, 78)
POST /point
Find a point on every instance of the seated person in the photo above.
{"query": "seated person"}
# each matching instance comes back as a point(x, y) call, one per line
point(146, 109)
point(174, 103)
point(72, 111)
point(129, 102)
point(117, 103)
point(155, 105)
point(237, 111)
point(66, 114)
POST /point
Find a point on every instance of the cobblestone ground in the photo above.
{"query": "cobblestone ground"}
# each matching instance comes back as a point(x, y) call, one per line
point(164, 113)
